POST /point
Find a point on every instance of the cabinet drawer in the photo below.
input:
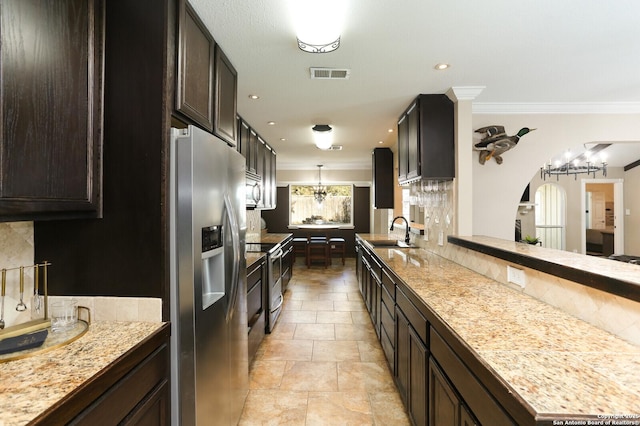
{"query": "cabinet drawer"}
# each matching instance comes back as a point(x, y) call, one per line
point(386, 299)
point(473, 393)
point(417, 321)
point(389, 284)
point(387, 347)
point(254, 302)
point(120, 399)
point(254, 274)
point(388, 320)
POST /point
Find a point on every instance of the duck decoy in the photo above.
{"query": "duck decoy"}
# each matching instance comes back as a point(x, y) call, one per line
point(495, 142)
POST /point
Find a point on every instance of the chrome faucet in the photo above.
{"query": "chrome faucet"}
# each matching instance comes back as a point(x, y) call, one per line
point(406, 236)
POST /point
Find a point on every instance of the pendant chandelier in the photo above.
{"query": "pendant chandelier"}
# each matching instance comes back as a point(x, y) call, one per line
point(319, 191)
point(582, 164)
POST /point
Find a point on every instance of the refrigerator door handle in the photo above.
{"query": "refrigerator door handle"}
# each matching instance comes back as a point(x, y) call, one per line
point(235, 238)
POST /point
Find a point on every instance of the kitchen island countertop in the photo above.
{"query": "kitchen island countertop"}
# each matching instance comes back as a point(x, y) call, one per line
point(559, 365)
point(32, 385)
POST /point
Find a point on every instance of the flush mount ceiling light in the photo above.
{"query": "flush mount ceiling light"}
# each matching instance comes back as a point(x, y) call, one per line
point(441, 67)
point(318, 24)
point(322, 136)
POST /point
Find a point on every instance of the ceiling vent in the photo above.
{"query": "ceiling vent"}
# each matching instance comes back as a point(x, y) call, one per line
point(329, 73)
point(335, 148)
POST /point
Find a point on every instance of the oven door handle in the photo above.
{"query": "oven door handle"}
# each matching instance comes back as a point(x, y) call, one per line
point(279, 304)
point(277, 255)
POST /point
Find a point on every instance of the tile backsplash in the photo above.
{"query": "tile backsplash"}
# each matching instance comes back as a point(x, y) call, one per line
point(17, 249)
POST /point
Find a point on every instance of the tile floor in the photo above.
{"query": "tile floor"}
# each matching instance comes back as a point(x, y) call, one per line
point(322, 365)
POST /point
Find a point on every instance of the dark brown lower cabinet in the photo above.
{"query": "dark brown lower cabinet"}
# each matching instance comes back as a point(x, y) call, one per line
point(411, 359)
point(256, 302)
point(445, 407)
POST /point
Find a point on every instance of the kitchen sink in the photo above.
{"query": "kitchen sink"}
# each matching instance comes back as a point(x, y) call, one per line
point(391, 243)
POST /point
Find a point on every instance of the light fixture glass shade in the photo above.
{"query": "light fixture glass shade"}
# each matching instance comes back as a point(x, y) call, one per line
point(318, 24)
point(322, 136)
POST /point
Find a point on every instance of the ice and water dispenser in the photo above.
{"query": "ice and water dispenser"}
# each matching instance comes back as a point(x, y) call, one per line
point(213, 277)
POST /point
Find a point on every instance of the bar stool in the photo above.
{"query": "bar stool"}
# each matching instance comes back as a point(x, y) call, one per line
point(318, 249)
point(337, 245)
point(300, 248)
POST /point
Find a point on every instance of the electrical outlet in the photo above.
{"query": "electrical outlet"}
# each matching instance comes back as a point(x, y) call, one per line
point(441, 238)
point(516, 276)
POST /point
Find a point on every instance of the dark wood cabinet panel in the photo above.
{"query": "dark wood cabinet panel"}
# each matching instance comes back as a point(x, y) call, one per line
point(256, 303)
point(426, 146)
point(226, 84)
point(418, 356)
point(51, 108)
point(402, 355)
point(403, 148)
point(443, 402)
point(126, 252)
point(195, 77)
point(382, 168)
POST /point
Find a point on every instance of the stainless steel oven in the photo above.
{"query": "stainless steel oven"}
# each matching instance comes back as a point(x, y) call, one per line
point(276, 299)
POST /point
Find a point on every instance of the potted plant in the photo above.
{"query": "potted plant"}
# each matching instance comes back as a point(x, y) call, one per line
point(532, 240)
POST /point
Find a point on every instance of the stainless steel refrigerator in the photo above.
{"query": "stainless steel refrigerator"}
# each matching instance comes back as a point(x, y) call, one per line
point(209, 355)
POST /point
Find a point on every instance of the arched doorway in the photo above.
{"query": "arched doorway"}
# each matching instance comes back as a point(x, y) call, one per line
point(550, 202)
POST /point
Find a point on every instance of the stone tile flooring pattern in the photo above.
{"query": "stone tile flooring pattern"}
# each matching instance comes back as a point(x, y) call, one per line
point(322, 364)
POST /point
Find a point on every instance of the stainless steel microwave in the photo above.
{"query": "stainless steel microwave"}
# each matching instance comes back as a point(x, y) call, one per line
point(253, 190)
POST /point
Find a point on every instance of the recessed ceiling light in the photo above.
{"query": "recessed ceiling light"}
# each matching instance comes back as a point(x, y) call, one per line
point(282, 139)
point(390, 130)
point(271, 123)
point(254, 97)
point(380, 142)
point(441, 67)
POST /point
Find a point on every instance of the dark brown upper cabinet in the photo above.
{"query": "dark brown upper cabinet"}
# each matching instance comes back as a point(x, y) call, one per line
point(382, 168)
point(426, 147)
point(195, 76)
point(226, 79)
point(51, 94)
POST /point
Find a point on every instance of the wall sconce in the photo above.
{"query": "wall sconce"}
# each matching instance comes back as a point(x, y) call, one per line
point(318, 24)
point(322, 136)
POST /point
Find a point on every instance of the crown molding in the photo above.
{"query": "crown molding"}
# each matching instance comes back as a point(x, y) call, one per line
point(556, 108)
point(464, 93)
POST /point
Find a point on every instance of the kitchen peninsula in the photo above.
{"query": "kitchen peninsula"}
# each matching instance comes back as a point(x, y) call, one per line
point(492, 353)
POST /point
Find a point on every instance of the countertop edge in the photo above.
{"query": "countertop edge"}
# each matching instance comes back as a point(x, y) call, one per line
point(618, 287)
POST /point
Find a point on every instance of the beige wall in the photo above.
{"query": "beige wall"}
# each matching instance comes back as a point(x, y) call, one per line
point(497, 188)
point(632, 204)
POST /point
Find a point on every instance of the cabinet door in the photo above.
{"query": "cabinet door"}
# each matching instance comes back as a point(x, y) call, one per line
point(402, 355)
point(382, 168)
point(243, 146)
point(417, 406)
point(443, 402)
point(403, 148)
point(252, 164)
point(226, 83)
point(196, 50)
point(153, 410)
point(51, 88)
point(466, 418)
point(413, 168)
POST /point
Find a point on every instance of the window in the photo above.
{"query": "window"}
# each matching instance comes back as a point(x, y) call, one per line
point(336, 209)
point(550, 216)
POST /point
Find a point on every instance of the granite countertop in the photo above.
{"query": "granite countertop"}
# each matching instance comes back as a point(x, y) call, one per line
point(253, 257)
point(31, 385)
point(557, 363)
point(268, 238)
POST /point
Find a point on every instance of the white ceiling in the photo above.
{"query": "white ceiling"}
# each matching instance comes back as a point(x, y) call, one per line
point(531, 55)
